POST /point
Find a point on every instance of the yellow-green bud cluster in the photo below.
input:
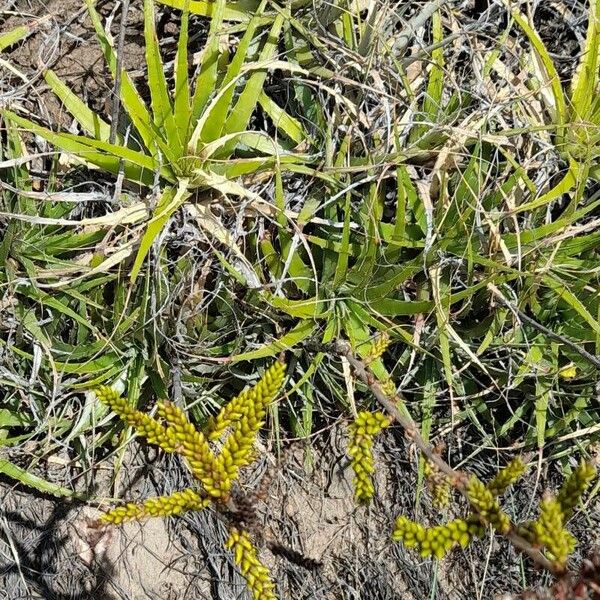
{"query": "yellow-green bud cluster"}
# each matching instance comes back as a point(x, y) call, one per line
point(255, 573)
point(548, 530)
point(193, 446)
point(378, 347)
point(506, 477)
point(439, 485)
point(236, 451)
point(389, 388)
point(486, 506)
point(244, 415)
point(160, 506)
point(360, 448)
point(550, 533)
point(143, 424)
point(574, 487)
point(435, 541)
point(248, 401)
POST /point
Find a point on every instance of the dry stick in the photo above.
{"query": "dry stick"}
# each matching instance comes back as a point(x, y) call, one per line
point(415, 23)
point(595, 360)
point(116, 106)
point(457, 478)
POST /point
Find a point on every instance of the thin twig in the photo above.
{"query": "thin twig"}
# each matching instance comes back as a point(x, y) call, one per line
point(595, 360)
point(116, 104)
point(414, 24)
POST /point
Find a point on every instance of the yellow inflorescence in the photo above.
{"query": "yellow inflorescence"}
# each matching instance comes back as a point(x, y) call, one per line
point(244, 415)
point(506, 477)
point(161, 506)
point(486, 506)
point(548, 530)
point(246, 557)
point(435, 541)
point(378, 347)
point(439, 485)
point(192, 445)
point(236, 451)
point(362, 431)
point(574, 487)
point(144, 424)
point(248, 401)
point(388, 388)
point(550, 533)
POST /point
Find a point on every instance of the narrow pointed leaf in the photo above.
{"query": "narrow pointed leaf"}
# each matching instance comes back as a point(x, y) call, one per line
point(219, 109)
point(206, 80)
point(87, 118)
point(82, 148)
point(240, 11)
point(181, 100)
point(159, 93)
point(242, 111)
point(130, 98)
point(171, 199)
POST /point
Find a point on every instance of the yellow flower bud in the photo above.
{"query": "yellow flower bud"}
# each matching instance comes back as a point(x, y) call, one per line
point(160, 506)
point(378, 347)
point(256, 574)
point(486, 506)
point(248, 401)
point(144, 424)
point(506, 477)
point(360, 444)
point(574, 487)
point(550, 533)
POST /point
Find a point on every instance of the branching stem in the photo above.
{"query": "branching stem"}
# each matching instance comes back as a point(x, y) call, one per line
point(458, 479)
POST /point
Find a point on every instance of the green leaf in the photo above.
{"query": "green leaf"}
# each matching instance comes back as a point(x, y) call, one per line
point(130, 98)
point(159, 93)
point(304, 309)
point(216, 113)
point(559, 105)
point(282, 120)
point(207, 79)
point(87, 118)
point(23, 476)
point(137, 167)
point(170, 200)
point(242, 111)
point(240, 11)
point(585, 81)
point(181, 100)
point(13, 36)
point(302, 331)
point(561, 290)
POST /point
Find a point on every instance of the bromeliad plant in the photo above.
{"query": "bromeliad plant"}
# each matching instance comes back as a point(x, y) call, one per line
point(194, 137)
point(235, 429)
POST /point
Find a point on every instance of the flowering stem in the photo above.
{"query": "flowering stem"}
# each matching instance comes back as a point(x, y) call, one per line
point(458, 479)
